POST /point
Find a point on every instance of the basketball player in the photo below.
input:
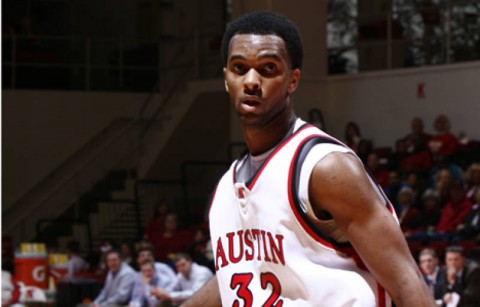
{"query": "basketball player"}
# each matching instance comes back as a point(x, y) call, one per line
point(297, 221)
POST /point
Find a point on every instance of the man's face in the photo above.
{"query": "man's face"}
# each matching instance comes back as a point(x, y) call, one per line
point(258, 78)
point(183, 266)
point(144, 255)
point(454, 260)
point(147, 270)
point(428, 263)
point(113, 262)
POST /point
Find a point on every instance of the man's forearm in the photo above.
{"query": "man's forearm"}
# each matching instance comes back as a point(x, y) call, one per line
point(208, 295)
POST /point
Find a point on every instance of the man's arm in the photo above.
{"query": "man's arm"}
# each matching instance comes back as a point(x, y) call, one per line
point(340, 186)
point(123, 291)
point(208, 295)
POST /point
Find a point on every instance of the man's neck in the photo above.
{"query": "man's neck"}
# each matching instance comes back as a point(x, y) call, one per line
point(262, 139)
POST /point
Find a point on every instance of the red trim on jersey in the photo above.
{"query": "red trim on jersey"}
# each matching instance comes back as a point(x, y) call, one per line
point(259, 172)
point(382, 302)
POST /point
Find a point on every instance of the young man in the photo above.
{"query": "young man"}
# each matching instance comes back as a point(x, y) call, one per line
point(433, 274)
point(146, 283)
point(190, 277)
point(297, 221)
point(162, 278)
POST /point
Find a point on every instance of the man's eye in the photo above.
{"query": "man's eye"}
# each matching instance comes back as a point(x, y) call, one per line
point(239, 68)
point(270, 68)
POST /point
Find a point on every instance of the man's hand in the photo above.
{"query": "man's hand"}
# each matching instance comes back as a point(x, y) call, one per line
point(160, 294)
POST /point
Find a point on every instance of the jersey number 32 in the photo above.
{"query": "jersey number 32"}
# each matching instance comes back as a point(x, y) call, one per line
point(241, 281)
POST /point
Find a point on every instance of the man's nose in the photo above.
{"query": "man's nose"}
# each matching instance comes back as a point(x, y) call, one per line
point(252, 81)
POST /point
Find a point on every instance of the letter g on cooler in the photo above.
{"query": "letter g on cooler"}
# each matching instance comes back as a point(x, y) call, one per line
point(39, 273)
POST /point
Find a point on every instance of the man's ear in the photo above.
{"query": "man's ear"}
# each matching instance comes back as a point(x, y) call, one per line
point(293, 82)
point(225, 78)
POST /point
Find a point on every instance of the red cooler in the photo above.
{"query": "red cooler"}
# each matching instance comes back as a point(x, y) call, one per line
point(32, 270)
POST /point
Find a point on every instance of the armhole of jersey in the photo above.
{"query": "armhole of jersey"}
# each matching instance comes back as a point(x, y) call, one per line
point(298, 181)
point(298, 205)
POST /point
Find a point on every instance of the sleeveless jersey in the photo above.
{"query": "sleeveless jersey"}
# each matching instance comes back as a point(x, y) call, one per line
point(268, 253)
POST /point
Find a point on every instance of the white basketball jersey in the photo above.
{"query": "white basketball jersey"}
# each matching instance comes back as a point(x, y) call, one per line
point(267, 252)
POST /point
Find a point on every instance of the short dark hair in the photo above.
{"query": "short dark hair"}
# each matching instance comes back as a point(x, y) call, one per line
point(455, 249)
point(266, 23)
point(113, 251)
point(181, 256)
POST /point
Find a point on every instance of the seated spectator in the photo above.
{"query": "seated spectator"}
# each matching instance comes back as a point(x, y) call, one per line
point(172, 240)
point(431, 211)
point(164, 273)
point(201, 249)
point(157, 222)
point(315, 117)
point(415, 182)
point(433, 274)
point(126, 249)
point(417, 140)
point(119, 283)
point(443, 162)
point(462, 278)
point(400, 153)
point(443, 180)
point(352, 136)
point(393, 187)
point(417, 161)
point(75, 263)
point(379, 173)
point(472, 179)
point(470, 228)
point(145, 285)
point(365, 147)
point(409, 217)
point(444, 141)
point(190, 278)
point(455, 211)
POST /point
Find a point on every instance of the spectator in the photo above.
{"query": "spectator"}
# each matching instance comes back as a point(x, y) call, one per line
point(394, 185)
point(164, 273)
point(409, 216)
point(315, 117)
point(119, 283)
point(472, 178)
point(145, 284)
point(455, 211)
point(415, 182)
point(444, 141)
point(365, 147)
point(201, 249)
point(443, 180)
point(470, 227)
point(433, 274)
point(463, 278)
point(431, 211)
point(442, 161)
point(396, 159)
point(379, 173)
point(157, 222)
point(417, 140)
point(352, 136)
point(190, 278)
point(126, 250)
point(172, 240)
point(75, 264)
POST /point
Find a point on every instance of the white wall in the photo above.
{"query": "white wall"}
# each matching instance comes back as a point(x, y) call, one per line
point(41, 129)
point(384, 103)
